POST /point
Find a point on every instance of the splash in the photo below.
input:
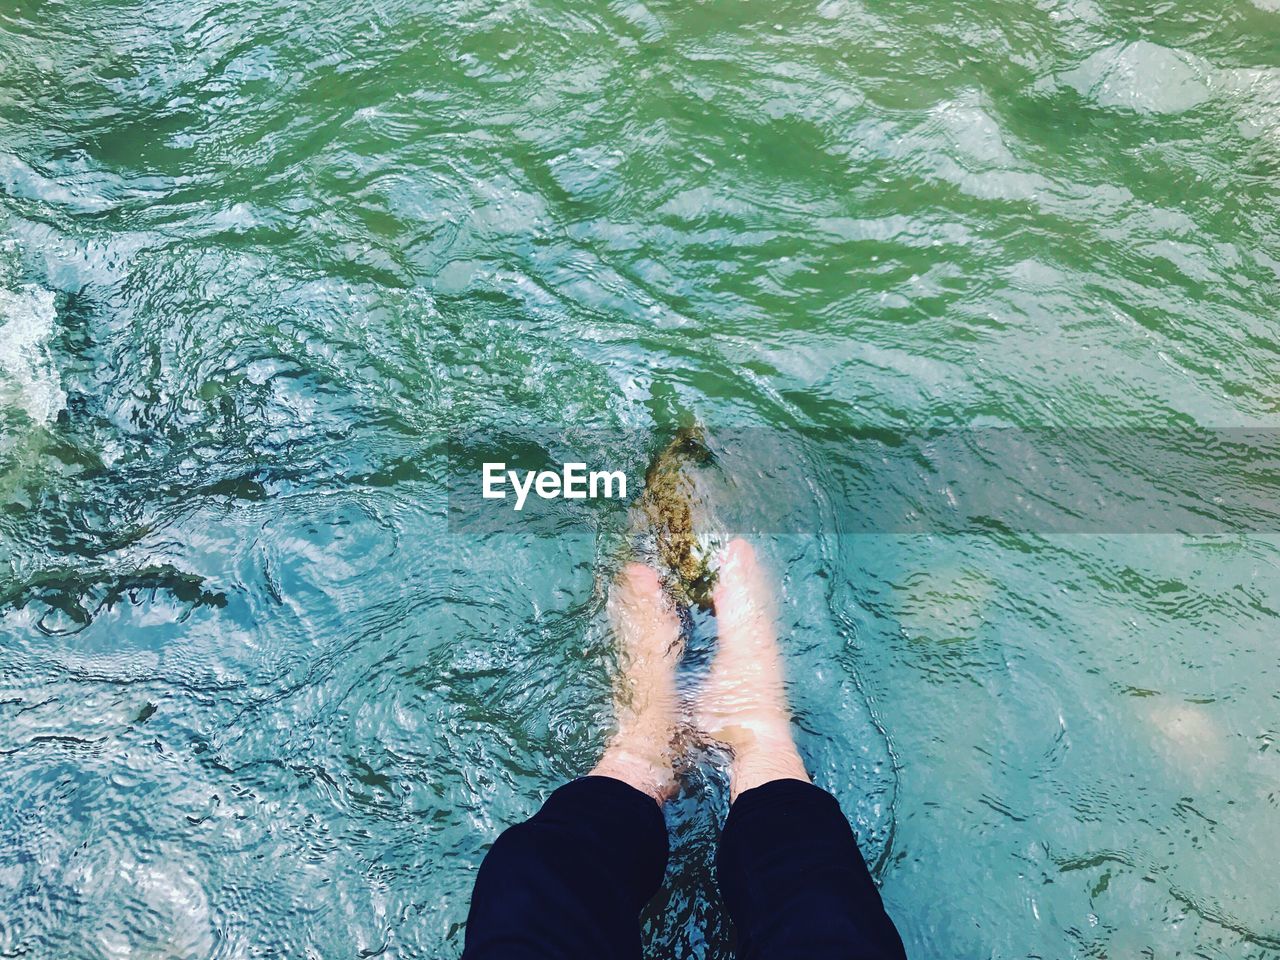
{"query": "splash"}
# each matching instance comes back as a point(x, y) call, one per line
point(28, 378)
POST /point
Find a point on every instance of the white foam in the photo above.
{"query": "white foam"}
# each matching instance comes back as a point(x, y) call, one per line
point(28, 377)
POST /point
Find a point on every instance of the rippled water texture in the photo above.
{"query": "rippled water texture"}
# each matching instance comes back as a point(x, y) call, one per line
point(258, 260)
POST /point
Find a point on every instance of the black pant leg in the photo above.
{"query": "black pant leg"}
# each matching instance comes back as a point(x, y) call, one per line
point(569, 882)
point(794, 883)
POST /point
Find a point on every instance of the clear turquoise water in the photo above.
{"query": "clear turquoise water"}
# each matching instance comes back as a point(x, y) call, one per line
point(259, 260)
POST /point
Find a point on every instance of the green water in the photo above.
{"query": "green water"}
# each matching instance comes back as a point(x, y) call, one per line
point(259, 260)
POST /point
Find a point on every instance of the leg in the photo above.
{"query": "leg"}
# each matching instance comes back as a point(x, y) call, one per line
point(648, 632)
point(570, 882)
point(744, 705)
point(793, 880)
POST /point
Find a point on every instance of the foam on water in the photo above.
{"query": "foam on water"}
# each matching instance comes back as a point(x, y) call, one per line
point(28, 377)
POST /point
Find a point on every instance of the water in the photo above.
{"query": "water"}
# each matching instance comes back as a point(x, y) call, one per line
point(261, 259)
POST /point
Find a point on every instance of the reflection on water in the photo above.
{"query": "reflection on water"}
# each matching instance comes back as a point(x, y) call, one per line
point(261, 263)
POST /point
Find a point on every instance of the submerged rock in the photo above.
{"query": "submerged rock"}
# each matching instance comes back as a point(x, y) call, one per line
point(670, 509)
point(1144, 77)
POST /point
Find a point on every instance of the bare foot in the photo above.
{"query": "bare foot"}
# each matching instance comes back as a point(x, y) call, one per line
point(648, 633)
point(744, 703)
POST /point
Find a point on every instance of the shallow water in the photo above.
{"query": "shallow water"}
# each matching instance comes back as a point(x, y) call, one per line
point(259, 261)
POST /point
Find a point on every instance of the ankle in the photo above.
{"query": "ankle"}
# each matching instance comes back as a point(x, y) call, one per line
point(764, 757)
point(757, 769)
point(649, 772)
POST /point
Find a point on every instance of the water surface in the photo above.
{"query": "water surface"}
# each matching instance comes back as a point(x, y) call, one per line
point(260, 260)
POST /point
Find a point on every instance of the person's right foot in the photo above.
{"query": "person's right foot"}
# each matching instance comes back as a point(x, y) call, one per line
point(648, 634)
point(744, 702)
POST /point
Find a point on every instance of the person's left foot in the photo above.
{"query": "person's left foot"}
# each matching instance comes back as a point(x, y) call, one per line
point(744, 702)
point(648, 632)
